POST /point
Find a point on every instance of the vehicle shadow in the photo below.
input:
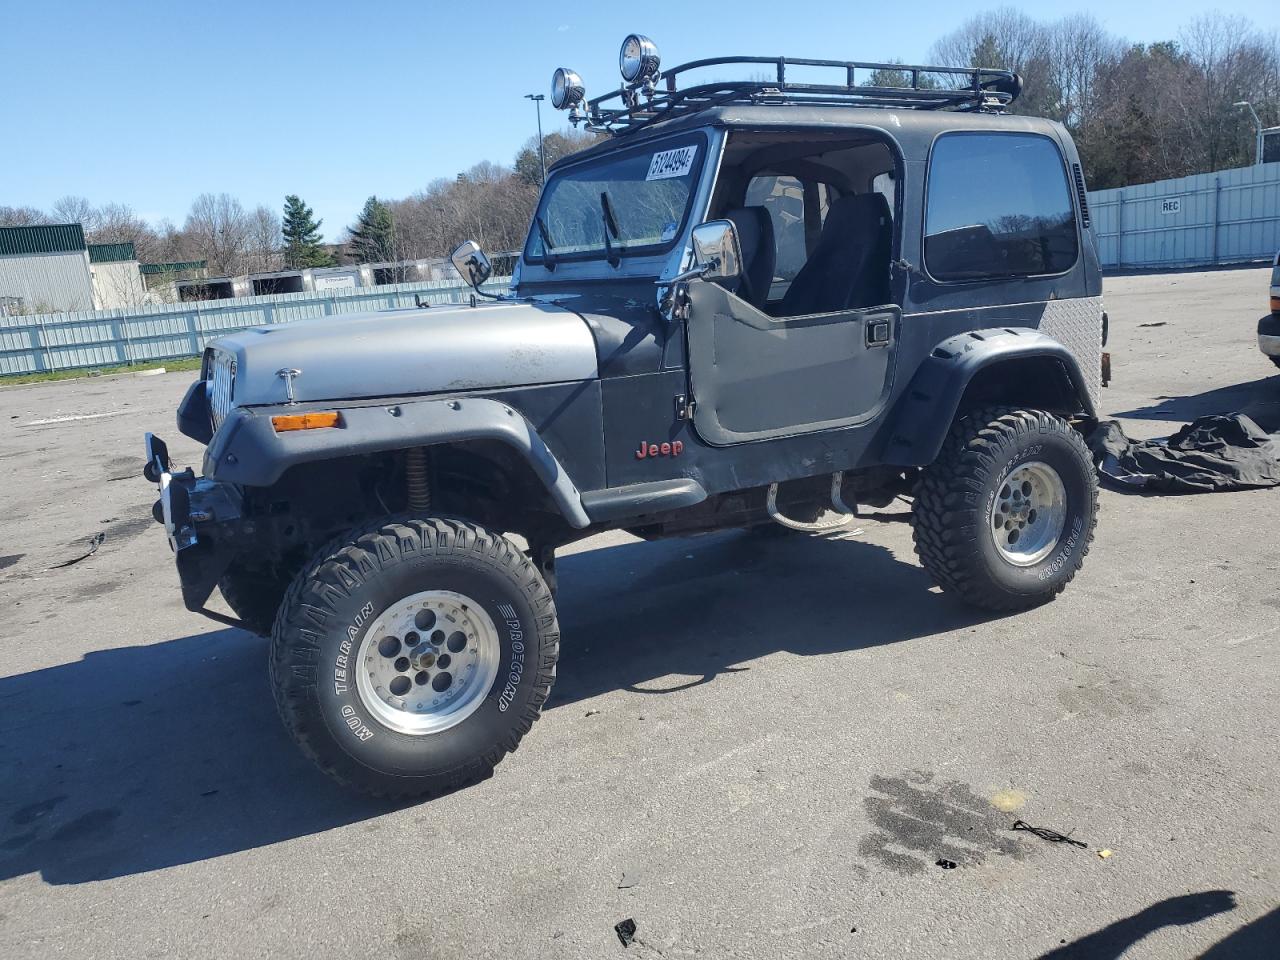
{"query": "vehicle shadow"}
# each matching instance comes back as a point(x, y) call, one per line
point(1115, 938)
point(1258, 938)
point(139, 758)
point(1258, 398)
point(694, 609)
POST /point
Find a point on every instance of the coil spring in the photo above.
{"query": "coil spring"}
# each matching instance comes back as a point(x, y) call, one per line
point(417, 485)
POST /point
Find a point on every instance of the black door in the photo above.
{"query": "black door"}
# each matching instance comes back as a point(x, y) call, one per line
point(754, 376)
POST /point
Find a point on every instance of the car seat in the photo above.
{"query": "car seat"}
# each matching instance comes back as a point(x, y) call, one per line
point(849, 266)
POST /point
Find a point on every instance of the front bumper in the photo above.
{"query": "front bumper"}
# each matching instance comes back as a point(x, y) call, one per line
point(203, 520)
point(1269, 335)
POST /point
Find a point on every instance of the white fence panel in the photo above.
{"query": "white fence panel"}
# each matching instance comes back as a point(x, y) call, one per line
point(99, 338)
point(1232, 216)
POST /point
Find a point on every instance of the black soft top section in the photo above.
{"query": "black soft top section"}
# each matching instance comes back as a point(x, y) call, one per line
point(913, 130)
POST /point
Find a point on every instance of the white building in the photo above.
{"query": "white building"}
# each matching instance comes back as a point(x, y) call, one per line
point(116, 275)
point(50, 269)
point(45, 269)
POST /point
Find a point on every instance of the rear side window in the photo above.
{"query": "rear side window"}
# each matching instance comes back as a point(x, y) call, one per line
point(999, 206)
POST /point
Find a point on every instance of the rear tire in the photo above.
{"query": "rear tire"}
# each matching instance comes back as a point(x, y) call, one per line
point(366, 672)
point(1005, 515)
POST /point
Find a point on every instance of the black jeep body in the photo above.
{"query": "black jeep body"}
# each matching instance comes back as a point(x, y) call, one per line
point(899, 279)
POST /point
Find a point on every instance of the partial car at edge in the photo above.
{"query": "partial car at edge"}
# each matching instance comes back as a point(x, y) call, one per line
point(1269, 326)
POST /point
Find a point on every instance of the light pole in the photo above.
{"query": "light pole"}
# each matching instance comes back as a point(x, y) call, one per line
point(1257, 153)
point(537, 99)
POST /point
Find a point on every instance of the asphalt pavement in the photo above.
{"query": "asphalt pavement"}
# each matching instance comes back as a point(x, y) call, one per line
point(756, 748)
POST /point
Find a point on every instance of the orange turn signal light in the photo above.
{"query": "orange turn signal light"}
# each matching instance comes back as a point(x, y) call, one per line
point(306, 421)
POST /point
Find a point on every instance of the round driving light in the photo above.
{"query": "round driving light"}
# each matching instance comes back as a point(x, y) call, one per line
point(638, 59)
point(566, 89)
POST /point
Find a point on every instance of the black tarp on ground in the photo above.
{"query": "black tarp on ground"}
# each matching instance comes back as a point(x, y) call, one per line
point(1214, 453)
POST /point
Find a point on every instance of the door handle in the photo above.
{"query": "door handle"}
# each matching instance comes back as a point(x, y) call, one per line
point(878, 333)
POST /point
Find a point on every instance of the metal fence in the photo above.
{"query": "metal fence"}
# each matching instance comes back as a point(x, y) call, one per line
point(1228, 217)
point(101, 338)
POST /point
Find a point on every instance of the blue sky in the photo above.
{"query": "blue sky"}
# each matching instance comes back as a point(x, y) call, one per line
point(150, 103)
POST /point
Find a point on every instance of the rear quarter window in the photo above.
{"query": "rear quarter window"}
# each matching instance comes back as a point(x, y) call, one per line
point(999, 205)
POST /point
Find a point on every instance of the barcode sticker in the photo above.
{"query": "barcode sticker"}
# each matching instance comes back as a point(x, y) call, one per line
point(671, 163)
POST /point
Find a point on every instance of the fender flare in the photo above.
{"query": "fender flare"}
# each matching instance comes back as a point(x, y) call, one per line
point(247, 451)
point(924, 413)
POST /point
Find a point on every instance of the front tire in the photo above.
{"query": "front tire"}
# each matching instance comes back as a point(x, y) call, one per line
point(410, 658)
point(1005, 515)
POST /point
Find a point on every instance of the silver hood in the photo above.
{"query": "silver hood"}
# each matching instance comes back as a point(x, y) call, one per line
point(414, 350)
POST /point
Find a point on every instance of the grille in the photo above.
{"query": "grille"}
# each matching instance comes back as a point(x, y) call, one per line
point(222, 387)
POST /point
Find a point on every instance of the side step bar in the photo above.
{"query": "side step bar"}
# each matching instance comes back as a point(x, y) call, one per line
point(837, 504)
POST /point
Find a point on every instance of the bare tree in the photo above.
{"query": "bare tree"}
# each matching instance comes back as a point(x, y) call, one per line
point(264, 242)
point(1235, 62)
point(1006, 38)
point(72, 209)
point(1078, 46)
point(117, 223)
point(22, 217)
point(555, 145)
point(218, 230)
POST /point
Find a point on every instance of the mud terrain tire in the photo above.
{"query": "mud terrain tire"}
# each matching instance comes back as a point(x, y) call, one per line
point(958, 497)
point(350, 591)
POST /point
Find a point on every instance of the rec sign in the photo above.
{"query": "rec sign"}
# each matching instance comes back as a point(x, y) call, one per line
point(1170, 204)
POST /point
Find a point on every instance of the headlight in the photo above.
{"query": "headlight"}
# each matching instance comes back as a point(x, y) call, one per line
point(566, 89)
point(221, 387)
point(638, 59)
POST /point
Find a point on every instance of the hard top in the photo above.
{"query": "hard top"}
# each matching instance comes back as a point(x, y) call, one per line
point(911, 129)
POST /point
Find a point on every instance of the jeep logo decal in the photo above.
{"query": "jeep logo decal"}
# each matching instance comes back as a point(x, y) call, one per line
point(664, 449)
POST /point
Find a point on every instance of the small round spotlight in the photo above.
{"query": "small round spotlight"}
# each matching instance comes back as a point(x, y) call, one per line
point(566, 89)
point(638, 59)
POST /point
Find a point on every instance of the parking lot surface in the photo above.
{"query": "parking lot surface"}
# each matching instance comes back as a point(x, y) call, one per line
point(756, 747)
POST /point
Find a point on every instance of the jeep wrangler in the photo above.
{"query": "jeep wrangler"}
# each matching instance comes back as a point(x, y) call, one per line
point(754, 302)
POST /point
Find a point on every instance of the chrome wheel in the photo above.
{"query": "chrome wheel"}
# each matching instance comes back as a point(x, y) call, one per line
point(1029, 513)
point(427, 662)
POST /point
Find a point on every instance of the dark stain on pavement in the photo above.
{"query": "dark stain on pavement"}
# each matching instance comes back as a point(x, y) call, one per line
point(1112, 696)
point(917, 822)
point(131, 527)
point(98, 590)
point(10, 560)
point(123, 468)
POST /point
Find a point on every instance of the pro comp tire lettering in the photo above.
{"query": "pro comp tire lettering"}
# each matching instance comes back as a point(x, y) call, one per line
point(516, 634)
point(1064, 554)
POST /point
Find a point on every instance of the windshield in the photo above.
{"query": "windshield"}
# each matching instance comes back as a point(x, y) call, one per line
point(646, 196)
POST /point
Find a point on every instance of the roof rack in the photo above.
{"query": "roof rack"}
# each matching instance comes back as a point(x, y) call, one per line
point(640, 105)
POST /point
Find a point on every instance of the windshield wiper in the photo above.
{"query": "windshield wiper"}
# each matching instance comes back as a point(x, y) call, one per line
point(548, 258)
point(610, 226)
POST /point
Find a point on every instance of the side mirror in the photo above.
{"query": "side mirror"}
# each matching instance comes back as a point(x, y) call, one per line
point(716, 253)
point(470, 261)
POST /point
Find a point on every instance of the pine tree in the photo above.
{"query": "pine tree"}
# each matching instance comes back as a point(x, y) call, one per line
point(372, 236)
point(302, 243)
